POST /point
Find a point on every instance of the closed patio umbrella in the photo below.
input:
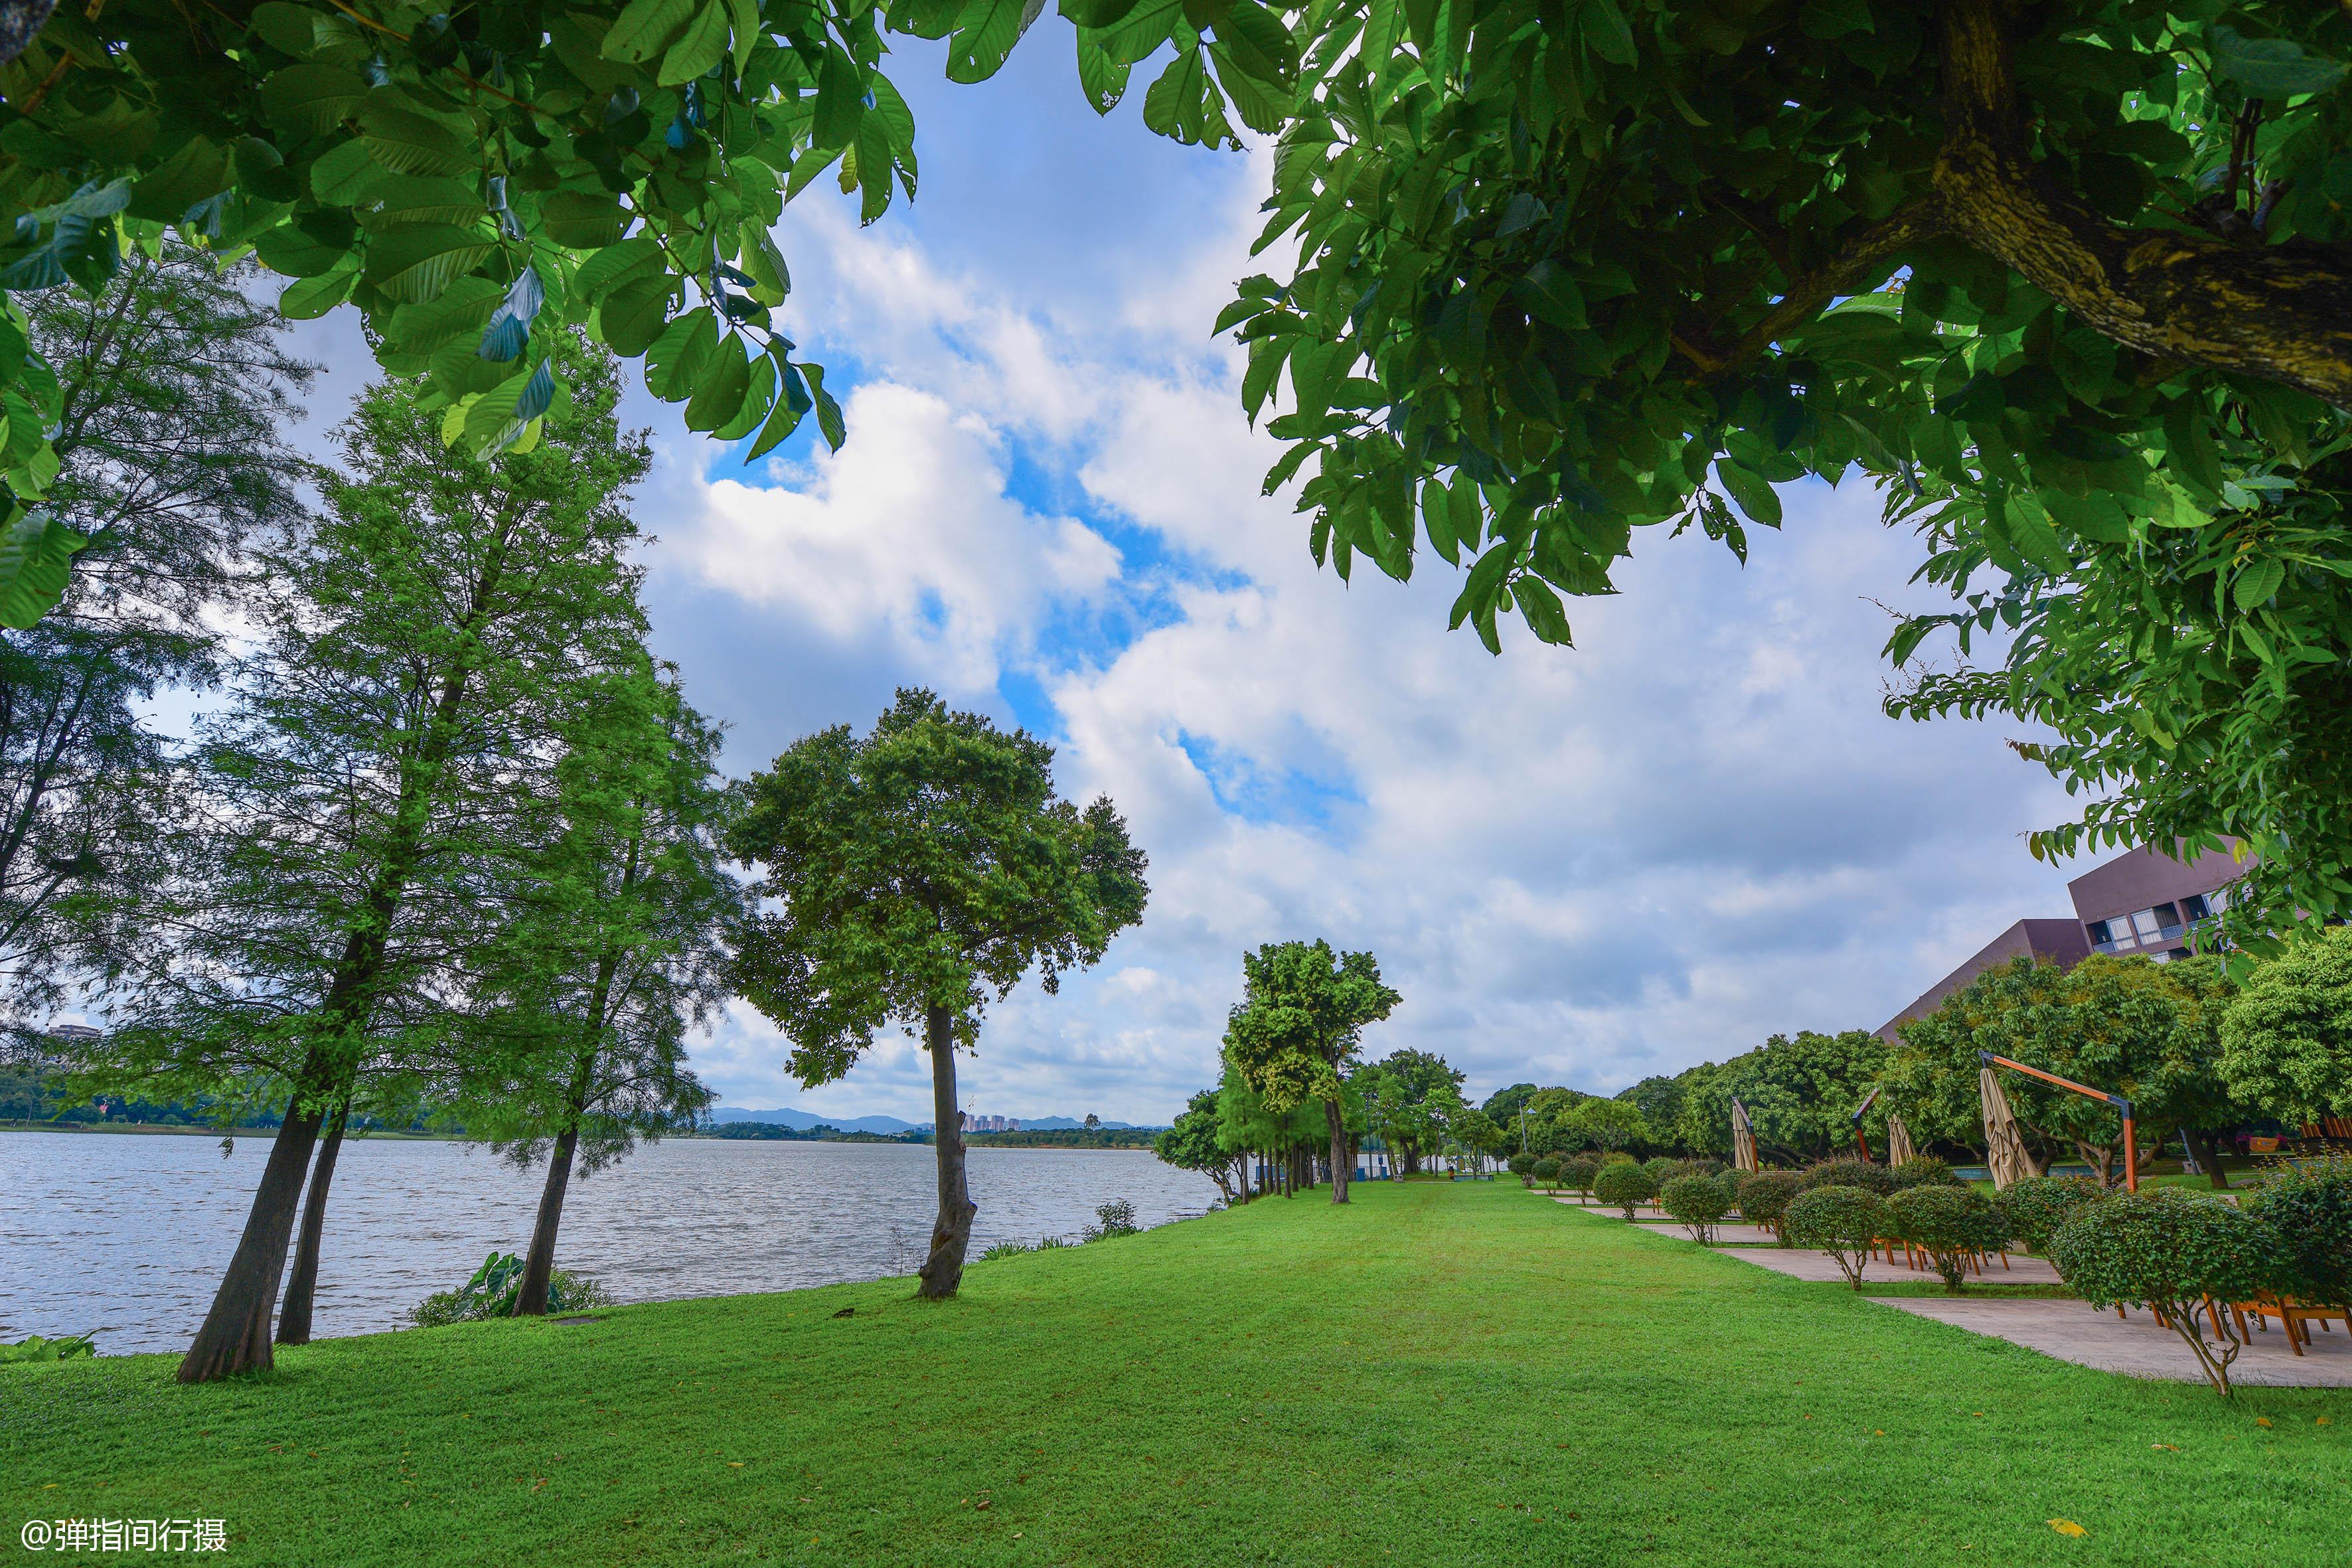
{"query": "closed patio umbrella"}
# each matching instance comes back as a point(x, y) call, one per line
point(1899, 1141)
point(1743, 1139)
point(2010, 1161)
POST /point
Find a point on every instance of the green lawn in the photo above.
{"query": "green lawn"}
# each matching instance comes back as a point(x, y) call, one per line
point(1458, 1373)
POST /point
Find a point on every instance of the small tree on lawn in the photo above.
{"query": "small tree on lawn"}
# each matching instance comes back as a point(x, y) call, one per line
point(1546, 1173)
point(1698, 1203)
point(1841, 1221)
point(917, 870)
point(2039, 1205)
point(1299, 1024)
point(1622, 1184)
point(2169, 1253)
point(1950, 1225)
point(1764, 1198)
point(2309, 1206)
point(1576, 1173)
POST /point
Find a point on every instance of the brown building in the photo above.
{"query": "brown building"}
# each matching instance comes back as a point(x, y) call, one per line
point(2140, 903)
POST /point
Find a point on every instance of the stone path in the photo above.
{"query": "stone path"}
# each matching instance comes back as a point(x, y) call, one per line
point(1807, 1265)
point(1725, 1235)
point(2135, 1347)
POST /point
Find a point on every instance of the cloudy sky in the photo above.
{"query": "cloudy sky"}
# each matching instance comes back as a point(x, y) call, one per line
point(1692, 831)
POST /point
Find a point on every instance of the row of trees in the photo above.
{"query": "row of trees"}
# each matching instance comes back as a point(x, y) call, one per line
point(2192, 1050)
point(452, 847)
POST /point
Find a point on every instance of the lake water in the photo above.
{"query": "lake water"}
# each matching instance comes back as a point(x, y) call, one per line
point(125, 1234)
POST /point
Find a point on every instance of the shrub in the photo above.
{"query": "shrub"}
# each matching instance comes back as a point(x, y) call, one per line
point(1546, 1171)
point(1924, 1170)
point(2308, 1206)
point(2038, 1205)
point(1698, 1203)
point(491, 1292)
point(1664, 1169)
point(1860, 1174)
point(2168, 1252)
point(1840, 1221)
point(1948, 1223)
point(1576, 1173)
point(1114, 1218)
point(1520, 1166)
point(1625, 1184)
point(1764, 1197)
point(33, 1348)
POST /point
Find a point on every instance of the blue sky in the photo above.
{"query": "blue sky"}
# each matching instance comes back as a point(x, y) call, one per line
point(1691, 832)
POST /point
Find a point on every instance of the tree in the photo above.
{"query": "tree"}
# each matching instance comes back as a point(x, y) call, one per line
point(616, 953)
point(1092, 1122)
point(1475, 1134)
point(173, 397)
point(1800, 1092)
point(2069, 280)
point(1299, 1027)
point(1191, 1143)
point(1410, 1081)
point(358, 812)
point(1548, 1110)
point(919, 869)
point(1609, 1125)
point(2286, 1040)
point(469, 178)
point(1503, 1105)
point(2146, 1031)
point(1658, 1099)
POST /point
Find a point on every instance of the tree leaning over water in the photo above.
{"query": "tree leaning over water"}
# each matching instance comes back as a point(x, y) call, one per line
point(362, 815)
point(616, 952)
point(919, 869)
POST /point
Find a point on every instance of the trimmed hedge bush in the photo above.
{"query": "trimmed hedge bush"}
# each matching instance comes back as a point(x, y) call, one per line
point(1860, 1174)
point(2309, 1205)
point(1924, 1170)
point(1764, 1197)
point(2168, 1252)
point(1698, 1203)
point(1664, 1169)
point(2038, 1205)
point(1948, 1223)
point(1522, 1166)
point(1840, 1221)
point(1546, 1171)
point(1623, 1184)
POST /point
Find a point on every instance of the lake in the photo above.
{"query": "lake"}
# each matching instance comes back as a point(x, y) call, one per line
point(125, 1234)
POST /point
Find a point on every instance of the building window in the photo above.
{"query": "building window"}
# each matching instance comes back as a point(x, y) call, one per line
point(2195, 907)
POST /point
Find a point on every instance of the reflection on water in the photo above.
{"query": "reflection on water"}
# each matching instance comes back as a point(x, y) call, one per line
point(125, 1234)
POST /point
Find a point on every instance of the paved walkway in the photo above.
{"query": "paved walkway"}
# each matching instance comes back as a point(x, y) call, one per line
point(1808, 1265)
point(2135, 1347)
point(1728, 1234)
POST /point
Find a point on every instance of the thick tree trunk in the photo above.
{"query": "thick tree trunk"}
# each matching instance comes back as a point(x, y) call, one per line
point(235, 1333)
point(303, 1285)
point(531, 1295)
point(2209, 1156)
point(1339, 1173)
point(942, 1271)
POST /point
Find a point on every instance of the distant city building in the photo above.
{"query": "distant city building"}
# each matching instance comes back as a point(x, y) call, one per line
point(974, 1123)
point(2141, 903)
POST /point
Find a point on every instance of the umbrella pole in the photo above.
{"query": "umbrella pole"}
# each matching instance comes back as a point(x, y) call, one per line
point(2131, 1156)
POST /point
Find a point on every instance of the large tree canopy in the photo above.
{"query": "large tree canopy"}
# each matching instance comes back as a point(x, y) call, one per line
point(1300, 1022)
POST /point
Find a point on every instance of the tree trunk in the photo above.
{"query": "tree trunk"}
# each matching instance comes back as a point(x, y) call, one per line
point(302, 1286)
point(235, 1333)
point(531, 1295)
point(2209, 1155)
point(942, 1271)
point(1339, 1172)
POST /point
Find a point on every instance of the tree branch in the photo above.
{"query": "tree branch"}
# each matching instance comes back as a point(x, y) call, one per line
point(1807, 296)
point(2280, 312)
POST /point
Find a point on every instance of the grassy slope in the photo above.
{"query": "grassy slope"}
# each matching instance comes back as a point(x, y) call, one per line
point(1465, 1374)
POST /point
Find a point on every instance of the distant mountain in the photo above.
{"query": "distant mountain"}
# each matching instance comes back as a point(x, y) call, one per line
point(800, 1121)
point(1048, 1123)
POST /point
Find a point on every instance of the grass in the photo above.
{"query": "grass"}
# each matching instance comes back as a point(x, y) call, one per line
point(1457, 1374)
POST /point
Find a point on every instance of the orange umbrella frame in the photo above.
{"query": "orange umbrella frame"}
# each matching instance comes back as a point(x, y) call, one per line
point(2131, 1137)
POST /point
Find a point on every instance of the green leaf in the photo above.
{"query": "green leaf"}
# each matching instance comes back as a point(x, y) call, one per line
point(415, 263)
point(292, 249)
point(720, 383)
point(314, 297)
point(989, 28)
point(840, 101)
point(674, 360)
point(2271, 67)
point(616, 264)
point(1749, 489)
point(1260, 44)
point(2257, 583)
point(457, 311)
point(164, 192)
point(1606, 30)
point(828, 412)
point(758, 395)
point(583, 220)
point(1540, 607)
point(794, 402)
point(1101, 78)
point(408, 142)
point(643, 29)
point(36, 553)
point(702, 46)
point(343, 173)
point(311, 98)
point(636, 314)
